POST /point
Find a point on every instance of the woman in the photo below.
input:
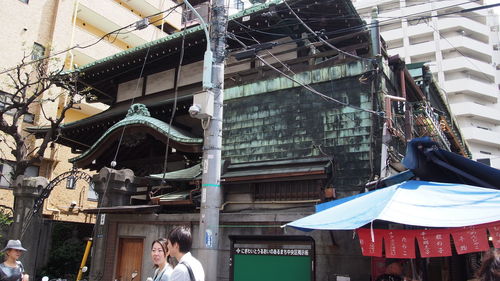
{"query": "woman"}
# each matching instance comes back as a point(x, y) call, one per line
point(490, 269)
point(12, 269)
point(160, 255)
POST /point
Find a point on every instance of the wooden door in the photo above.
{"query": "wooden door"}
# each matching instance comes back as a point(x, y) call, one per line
point(129, 259)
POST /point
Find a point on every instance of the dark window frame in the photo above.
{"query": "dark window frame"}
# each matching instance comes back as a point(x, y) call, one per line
point(38, 51)
point(240, 5)
point(6, 99)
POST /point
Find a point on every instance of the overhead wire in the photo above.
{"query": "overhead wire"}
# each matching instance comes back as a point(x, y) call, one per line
point(421, 18)
point(114, 163)
point(367, 25)
point(463, 55)
point(77, 46)
point(176, 92)
point(381, 23)
point(311, 89)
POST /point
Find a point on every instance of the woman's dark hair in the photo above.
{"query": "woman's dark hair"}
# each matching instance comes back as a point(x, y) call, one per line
point(163, 244)
point(182, 236)
point(490, 269)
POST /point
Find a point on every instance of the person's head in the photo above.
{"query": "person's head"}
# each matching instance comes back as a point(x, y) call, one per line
point(490, 268)
point(13, 249)
point(394, 266)
point(179, 241)
point(159, 252)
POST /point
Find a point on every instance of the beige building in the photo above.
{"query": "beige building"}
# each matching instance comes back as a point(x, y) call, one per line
point(73, 33)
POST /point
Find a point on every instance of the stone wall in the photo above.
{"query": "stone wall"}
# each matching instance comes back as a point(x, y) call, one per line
point(338, 256)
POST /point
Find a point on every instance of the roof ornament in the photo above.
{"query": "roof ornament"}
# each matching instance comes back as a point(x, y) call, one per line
point(138, 109)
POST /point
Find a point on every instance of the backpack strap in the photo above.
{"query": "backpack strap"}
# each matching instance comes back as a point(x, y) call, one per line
point(191, 275)
point(21, 267)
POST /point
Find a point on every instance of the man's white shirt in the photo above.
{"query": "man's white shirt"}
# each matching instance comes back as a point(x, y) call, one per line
point(181, 272)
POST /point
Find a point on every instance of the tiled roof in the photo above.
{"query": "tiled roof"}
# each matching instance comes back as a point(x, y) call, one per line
point(139, 115)
point(181, 175)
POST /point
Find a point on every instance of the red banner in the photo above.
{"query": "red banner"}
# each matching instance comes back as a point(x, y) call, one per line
point(431, 242)
point(434, 243)
point(472, 240)
point(369, 247)
point(399, 244)
point(495, 235)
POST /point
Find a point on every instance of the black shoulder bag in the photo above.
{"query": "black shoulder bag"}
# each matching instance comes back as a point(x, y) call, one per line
point(191, 275)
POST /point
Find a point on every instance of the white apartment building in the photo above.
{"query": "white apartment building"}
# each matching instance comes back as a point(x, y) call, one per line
point(462, 50)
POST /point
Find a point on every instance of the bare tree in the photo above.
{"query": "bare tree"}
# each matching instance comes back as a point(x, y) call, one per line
point(31, 91)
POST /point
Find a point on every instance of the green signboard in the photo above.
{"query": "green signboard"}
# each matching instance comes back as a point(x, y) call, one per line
point(272, 258)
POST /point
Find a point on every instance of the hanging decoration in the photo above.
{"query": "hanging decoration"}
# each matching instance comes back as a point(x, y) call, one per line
point(399, 243)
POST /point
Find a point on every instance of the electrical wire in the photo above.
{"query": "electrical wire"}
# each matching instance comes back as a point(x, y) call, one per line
point(381, 23)
point(77, 46)
point(311, 89)
point(308, 87)
point(113, 163)
point(367, 25)
point(463, 55)
point(135, 93)
point(174, 106)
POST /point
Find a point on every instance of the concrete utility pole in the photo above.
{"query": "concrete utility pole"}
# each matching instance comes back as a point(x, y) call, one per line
point(211, 190)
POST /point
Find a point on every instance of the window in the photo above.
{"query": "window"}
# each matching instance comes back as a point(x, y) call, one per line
point(485, 161)
point(240, 5)
point(38, 51)
point(29, 118)
point(6, 100)
point(91, 194)
point(25, 1)
point(6, 169)
point(291, 190)
point(5, 175)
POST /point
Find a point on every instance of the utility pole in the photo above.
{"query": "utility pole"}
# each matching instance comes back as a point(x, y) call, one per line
point(211, 196)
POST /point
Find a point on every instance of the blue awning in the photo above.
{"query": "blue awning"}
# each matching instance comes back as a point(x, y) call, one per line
point(418, 203)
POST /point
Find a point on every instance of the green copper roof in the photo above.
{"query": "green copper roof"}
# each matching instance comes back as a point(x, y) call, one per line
point(179, 34)
point(138, 114)
point(181, 175)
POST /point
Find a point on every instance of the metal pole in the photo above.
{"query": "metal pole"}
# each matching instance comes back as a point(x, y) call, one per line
point(211, 190)
point(84, 259)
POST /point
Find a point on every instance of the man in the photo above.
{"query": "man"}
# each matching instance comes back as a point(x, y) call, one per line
point(393, 271)
point(179, 245)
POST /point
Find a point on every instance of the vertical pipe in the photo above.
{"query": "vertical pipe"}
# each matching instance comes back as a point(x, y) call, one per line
point(84, 259)
point(375, 33)
point(71, 55)
point(402, 80)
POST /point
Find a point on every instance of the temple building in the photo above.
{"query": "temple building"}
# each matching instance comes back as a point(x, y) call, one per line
point(305, 121)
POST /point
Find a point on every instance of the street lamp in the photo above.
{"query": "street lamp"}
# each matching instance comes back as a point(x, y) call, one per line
point(71, 181)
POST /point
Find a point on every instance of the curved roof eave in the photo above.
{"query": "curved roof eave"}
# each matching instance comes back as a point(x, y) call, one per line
point(153, 123)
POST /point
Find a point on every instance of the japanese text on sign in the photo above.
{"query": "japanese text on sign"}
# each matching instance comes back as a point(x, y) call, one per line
point(275, 252)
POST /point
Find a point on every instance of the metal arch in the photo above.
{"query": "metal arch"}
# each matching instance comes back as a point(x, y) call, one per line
point(48, 189)
point(78, 175)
